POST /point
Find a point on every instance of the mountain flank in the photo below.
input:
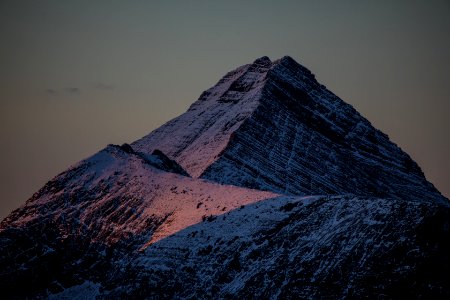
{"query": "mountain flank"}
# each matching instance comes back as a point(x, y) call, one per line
point(269, 186)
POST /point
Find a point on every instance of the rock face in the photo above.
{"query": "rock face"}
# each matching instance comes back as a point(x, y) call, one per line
point(217, 204)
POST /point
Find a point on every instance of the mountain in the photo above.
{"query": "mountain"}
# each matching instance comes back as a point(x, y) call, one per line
point(269, 186)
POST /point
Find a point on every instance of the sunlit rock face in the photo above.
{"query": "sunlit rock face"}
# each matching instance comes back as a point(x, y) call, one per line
point(269, 186)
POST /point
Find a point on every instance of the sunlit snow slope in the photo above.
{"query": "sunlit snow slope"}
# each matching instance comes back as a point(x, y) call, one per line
point(118, 193)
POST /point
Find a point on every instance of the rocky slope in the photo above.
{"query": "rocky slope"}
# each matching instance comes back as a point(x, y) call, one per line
point(217, 204)
point(291, 248)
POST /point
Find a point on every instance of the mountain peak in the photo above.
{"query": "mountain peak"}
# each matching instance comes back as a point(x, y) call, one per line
point(287, 65)
point(263, 61)
point(272, 126)
point(287, 60)
point(198, 137)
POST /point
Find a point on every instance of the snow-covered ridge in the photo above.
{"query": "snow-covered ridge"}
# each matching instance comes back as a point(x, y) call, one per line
point(118, 193)
point(115, 199)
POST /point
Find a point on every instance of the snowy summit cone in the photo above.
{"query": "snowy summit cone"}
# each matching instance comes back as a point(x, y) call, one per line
point(272, 126)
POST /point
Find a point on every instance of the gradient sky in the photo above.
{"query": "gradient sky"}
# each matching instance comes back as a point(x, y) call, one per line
point(77, 75)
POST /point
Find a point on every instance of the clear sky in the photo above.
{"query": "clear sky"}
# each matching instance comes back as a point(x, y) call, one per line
point(77, 75)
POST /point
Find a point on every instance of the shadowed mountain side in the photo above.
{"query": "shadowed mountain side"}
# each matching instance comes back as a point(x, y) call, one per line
point(290, 247)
